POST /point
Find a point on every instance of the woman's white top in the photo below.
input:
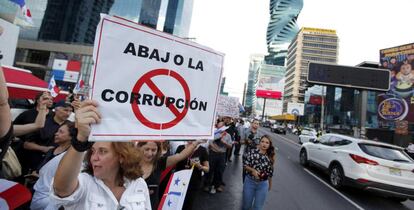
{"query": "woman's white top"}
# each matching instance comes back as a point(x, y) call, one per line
point(92, 193)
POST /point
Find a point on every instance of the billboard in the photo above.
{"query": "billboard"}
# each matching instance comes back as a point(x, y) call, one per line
point(273, 107)
point(270, 82)
point(9, 34)
point(398, 103)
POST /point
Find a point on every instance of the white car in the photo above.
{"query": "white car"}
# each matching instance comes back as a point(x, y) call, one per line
point(306, 135)
point(370, 165)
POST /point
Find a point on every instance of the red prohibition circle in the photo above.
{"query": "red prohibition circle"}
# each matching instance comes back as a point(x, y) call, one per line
point(146, 79)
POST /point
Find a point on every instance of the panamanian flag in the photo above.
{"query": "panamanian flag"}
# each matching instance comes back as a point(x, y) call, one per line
point(13, 195)
point(25, 10)
point(53, 88)
point(79, 85)
point(66, 70)
point(174, 195)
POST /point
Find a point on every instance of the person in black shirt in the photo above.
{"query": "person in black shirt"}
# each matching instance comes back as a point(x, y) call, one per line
point(232, 131)
point(40, 142)
point(198, 159)
point(153, 164)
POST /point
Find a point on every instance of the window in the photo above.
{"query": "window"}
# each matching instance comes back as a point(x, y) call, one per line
point(324, 139)
point(384, 152)
point(337, 141)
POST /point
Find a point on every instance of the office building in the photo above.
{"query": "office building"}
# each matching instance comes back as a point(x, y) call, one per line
point(170, 16)
point(72, 21)
point(282, 29)
point(250, 99)
point(309, 45)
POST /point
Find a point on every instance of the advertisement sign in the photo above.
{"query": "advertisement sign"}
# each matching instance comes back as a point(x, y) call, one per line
point(297, 109)
point(151, 85)
point(9, 34)
point(228, 106)
point(270, 82)
point(268, 94)
point(398, 103)
point(273, 107)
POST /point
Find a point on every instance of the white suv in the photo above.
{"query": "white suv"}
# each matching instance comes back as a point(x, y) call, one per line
point(373, 166)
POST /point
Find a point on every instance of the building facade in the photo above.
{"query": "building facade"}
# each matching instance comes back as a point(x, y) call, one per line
point(72, 21)
point(282, 29)
point(65, 30)
point(309, 45)
point(254, 65)
point(170, 16)
point(270, 80)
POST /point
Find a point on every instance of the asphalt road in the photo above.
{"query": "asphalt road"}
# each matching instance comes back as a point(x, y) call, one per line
point(293, 186)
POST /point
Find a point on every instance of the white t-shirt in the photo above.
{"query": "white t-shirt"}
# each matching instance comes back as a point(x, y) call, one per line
point(92, 193)
point(40, 198)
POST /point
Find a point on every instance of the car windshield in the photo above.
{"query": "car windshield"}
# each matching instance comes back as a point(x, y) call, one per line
point(384, 152)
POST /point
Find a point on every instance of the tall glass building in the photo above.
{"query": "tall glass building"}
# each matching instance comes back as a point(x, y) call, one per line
point(256, 61)
point(170, 16)
point(72, 21)
point(282, 29)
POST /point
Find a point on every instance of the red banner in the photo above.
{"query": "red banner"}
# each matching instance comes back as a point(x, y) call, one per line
point(268, 94)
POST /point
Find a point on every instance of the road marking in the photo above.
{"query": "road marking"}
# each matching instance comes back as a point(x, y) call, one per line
point(335, 190)
point(288, 140)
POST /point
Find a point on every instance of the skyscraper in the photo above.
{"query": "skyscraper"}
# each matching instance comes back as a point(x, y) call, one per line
point(72, 21)
point(170, 16)
point(310, 44)
point(254, 66)
point(282, 29)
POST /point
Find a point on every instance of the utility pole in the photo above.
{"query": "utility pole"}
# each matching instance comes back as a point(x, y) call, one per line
point(322, 107)
point(264, 107)
point(244, 94)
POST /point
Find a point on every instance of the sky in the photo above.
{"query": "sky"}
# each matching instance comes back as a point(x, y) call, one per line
point(238, 28)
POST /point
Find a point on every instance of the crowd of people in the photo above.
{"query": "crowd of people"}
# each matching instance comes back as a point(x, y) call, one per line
point(64, 170)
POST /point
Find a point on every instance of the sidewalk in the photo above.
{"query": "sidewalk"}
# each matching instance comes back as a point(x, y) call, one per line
point(231, 197)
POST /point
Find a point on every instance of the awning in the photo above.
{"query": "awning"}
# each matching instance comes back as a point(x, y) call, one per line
point(22, 84)
point(287, 117)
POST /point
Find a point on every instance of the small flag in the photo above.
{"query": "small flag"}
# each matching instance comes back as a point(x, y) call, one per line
point(13, 195)
point(25, 10)
point(173, 198)
point(79, 85)
point(66, 70)
point(53, 88)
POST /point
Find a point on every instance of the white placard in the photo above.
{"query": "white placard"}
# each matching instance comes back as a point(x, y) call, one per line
point(228, 106)
point(296, 109)
point(9, 34)
point(151, 85)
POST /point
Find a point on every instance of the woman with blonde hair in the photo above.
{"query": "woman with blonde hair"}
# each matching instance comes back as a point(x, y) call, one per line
point(112, 175)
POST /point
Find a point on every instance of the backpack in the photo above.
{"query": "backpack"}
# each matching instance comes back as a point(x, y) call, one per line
point(11, 167)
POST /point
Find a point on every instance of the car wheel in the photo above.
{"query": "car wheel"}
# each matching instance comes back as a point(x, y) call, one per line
point(303, 158)
point(336, 176)
point(398, 200)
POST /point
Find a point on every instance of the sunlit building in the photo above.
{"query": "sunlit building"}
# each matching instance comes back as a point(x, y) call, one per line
point(309, 45)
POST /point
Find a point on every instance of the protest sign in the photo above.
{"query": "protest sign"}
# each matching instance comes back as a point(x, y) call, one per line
point(151, 85)
point(228, 106)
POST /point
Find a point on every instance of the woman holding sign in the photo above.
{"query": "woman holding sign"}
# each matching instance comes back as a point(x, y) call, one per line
point(112, 175)
point(153, 165)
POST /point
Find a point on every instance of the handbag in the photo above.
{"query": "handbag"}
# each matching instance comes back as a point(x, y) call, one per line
point(11, 167)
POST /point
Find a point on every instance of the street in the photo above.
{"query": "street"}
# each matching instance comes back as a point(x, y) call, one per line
point(293, 186)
